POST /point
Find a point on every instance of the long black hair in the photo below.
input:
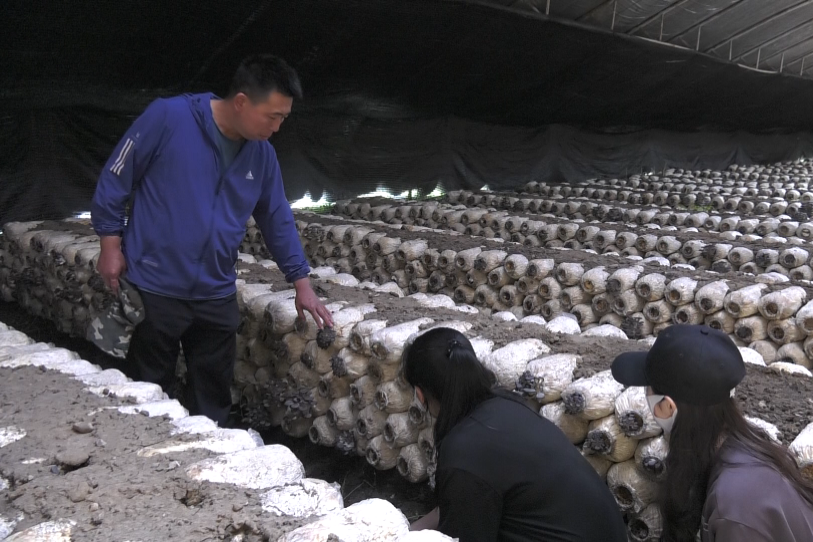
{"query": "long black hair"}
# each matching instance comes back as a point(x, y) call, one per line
point(694, 448)
point(442, 362)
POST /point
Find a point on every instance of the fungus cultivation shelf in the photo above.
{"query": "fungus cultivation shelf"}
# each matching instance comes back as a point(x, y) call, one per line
point(540, 281)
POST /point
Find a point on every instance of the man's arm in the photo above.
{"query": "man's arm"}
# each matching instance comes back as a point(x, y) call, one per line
point(429, 521)
point(276, 222)
point(125, 166)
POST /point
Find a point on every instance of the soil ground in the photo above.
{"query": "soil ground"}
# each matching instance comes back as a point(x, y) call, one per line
point(358, 480)
point(97, 479)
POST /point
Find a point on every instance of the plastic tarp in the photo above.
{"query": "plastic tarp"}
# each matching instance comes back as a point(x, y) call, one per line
point(742, 31)
point(399, 94)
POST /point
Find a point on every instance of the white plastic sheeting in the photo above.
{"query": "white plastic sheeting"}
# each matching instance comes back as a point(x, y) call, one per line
point(261, 468)
point(372, 520)
point(170, 408)
point(138, 392)
point(51, 531)
point(221, 441)
point(305, 498)
point(10, 434)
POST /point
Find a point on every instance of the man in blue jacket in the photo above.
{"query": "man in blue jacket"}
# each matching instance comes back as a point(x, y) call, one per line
point(197, 168)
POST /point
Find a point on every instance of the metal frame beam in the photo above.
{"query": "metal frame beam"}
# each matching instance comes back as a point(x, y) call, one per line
point(783, 51)
point(593, 10)
point(706, 20)
point(662, 13)
point(773, 39)
point(803, 60)
point(757, 25)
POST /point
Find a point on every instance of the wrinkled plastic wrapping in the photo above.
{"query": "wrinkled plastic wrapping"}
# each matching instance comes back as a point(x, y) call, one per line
point(633, 414)
point(10, 434)
point(631, 489)
point(399, 432)
point(574, 427)
point(592, 398)
point(802, 450)
point(371, 520)
point(770, 429)
point(12, 337)
point(194, 425)
point(646, 526)
point(510, 361)
point(7, 525)
point(51, 531)
point(137, 392)
point(380, 454)
point(599, 463)
point(790, 368)
point(247, 292)
point(564, 325)
point(371, 421)
point(280, 315)
point(482, 347)
point(552, 374)
point(387, 344)
point(258, 304)
point(305, 498)
point(341, 279)
point(605, 330)
point(50, 358)
point(412, 463)
point(360, 336)
point(261, 468)
point(606, 438)
point(108, 377)
point(650, 456)
point(169, 409)
point(433, 301)
point(345, 319)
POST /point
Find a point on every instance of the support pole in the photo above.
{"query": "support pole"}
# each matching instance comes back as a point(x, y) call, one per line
point(615, 8)
point(801, 73)
point(759, 55)
point(782, 63)
point(730, 50)
point(663, 16)
point(547, 8)
point(699, 29)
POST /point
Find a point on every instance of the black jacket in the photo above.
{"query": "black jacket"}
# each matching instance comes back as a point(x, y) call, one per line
point(507, 474)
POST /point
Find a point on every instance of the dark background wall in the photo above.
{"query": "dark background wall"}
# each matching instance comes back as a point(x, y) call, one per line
point(399, 94)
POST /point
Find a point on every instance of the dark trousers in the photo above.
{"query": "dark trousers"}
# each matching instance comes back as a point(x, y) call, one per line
point(207, 330)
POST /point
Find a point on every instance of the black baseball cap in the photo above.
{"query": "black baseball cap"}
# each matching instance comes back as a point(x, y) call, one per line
point(694, 364)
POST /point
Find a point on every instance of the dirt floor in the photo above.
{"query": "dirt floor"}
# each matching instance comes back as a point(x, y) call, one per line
point(96, 479)
point(48, 494)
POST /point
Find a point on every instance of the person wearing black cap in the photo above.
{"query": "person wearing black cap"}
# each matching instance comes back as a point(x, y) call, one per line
point(725, 478)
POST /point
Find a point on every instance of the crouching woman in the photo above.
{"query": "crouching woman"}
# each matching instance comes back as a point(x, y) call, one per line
point(725, 479)
point(504, 473)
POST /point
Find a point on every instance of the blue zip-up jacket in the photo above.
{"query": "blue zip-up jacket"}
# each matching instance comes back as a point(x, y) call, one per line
point(187, 221)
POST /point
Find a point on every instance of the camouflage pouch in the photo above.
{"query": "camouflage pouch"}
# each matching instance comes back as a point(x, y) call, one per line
point(111, 331)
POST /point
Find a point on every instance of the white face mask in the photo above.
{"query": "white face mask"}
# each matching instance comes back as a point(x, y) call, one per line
point(665, 424)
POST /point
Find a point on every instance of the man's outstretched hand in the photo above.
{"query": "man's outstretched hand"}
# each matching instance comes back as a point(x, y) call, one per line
point(306, 300)
point(111, 264)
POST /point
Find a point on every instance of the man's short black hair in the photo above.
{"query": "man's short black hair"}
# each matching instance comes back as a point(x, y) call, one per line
point(259, 75)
